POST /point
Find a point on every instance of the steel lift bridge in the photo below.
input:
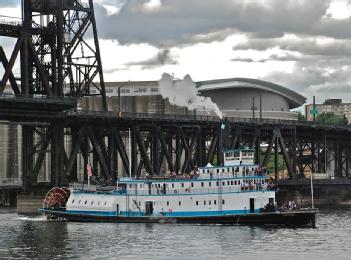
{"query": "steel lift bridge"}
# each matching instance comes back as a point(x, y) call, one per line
point(57, 50)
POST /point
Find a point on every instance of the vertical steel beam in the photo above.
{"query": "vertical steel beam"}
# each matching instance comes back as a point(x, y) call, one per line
point(179, 149)
point(134, 152)
point(156, 152)
point(57, 155)
point(121, 149)
point(27, 162)
point(112, 155)
point(98, 57)
point(258, 146)
point(276, 166)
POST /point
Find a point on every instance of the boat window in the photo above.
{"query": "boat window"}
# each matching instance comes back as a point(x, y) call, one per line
point(92, 202)
point(223, 183)
point(139, 203)
point(228, 183)
point(72, 201)
point(204, 202)
point(130, 185)
point(167, 203)
point(235, 182)
point(197, 203)
point(105, 203)
point(141, 185)
point(86, 202)
point(209, 184)
point(217, 170)
point(202, 184)
point(217, 183)
point(79, 201)
point(215, 202)
point(209, 202)
point(223, 202)
point(208, 171)
point(172, 185)
point(239, 182)
point(192, 184)
point(222, 170)
point(99, 203)
point(182, 185)
point(228, 169)
point(180, 203)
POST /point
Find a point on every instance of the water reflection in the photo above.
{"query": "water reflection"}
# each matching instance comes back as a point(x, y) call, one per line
point(33, 237)
point(40, 240)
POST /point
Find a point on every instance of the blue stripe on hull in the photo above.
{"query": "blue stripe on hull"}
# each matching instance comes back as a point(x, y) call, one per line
point(160, 214)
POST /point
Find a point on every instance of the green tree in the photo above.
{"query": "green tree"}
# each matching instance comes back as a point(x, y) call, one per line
point(300, 116)
point(331, 118)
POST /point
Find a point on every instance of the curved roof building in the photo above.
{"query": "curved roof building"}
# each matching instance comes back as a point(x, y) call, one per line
point(244, 97)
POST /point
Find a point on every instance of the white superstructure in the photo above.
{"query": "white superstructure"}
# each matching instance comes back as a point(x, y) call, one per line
point(235, 188)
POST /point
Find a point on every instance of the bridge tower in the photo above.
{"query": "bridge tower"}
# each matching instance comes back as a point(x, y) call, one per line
point(59, 47)
point(58, 53)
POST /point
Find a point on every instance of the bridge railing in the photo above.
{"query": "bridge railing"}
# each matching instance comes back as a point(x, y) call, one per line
point(203, 118)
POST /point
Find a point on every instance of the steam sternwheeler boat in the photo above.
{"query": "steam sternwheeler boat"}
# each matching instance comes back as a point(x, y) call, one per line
point(237, 193)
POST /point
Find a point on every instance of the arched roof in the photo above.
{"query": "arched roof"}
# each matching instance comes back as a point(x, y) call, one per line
point(294, 98)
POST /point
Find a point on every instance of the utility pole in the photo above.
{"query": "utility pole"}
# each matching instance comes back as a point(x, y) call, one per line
point(314, 108)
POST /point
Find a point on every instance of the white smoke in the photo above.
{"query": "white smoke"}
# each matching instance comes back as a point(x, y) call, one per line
point(184, 93)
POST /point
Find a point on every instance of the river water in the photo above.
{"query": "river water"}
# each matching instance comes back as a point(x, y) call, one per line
point(25, 237)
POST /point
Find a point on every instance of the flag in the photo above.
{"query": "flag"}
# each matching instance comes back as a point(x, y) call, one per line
point(89, 170)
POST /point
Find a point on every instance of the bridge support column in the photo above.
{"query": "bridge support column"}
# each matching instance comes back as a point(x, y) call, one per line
point(57, 155)
point(27, 148)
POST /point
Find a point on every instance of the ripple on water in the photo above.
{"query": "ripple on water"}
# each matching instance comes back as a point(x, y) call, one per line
point(35, 237)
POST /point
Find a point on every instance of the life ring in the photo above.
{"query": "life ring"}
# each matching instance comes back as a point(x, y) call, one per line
point(175, 191)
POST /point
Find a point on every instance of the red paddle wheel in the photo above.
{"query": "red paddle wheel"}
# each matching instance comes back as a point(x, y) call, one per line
point(56, 198)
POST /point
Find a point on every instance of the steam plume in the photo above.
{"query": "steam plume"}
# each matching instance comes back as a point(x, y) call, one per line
point(184, 93)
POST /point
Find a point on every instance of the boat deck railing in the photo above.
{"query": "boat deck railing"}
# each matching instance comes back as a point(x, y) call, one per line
point(189, 191)
point(202, 176)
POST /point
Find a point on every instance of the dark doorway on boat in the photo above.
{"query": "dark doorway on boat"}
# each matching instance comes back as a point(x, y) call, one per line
point(117, 209)
point(164, 188)
point(149, 207)
point(252, 205)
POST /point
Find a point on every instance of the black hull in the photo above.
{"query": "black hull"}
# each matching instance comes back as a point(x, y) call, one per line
point(289, 218)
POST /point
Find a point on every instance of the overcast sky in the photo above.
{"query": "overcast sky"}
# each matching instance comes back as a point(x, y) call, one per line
point(301, 44)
